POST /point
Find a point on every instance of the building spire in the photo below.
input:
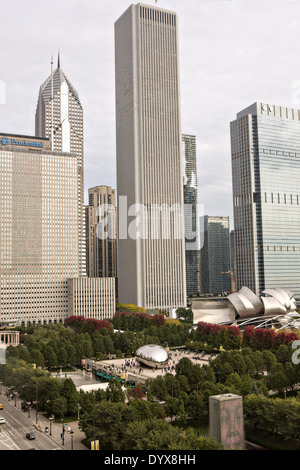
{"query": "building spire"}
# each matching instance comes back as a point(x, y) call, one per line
point(58, 60)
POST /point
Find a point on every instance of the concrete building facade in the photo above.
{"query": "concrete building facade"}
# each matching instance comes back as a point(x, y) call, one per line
point(39, 230)
point(151, 266)
point(91, 297)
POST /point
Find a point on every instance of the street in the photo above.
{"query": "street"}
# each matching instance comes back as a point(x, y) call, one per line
point(18, 424)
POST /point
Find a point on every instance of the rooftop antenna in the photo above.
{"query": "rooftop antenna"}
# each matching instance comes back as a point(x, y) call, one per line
point(51, 102)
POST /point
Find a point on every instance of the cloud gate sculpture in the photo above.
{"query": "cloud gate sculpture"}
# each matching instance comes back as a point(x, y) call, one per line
point(244, 304)
point(153, 356)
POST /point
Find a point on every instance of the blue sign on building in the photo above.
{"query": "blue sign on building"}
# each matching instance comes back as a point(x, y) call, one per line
point(25, 143)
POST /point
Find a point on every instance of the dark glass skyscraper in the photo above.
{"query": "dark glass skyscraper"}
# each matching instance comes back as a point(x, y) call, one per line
point(265, 143)
point(190, 190)
point(215, 256)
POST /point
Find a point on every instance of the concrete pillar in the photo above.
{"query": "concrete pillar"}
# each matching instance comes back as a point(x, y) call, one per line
point(226, 420)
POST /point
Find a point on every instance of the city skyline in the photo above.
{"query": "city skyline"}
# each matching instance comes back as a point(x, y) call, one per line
point(227, 61)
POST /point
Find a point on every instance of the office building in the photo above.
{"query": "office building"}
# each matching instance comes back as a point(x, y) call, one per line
point(39, 230)
point(151, 258)
point(215, 256)
point(190, 191)
point(59, 116)
point(232, 256)
point(92, 297)
point(265, 148)
point(101, 233)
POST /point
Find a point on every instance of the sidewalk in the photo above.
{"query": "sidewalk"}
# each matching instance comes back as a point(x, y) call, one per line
point(56, 428)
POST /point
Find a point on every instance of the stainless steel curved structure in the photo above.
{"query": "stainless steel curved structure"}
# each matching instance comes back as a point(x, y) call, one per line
point(213, 312)
point(272, 306)
point(255, 301)
point(246, 305)
point(153, 355)
point(280, 295)
point(242, 304)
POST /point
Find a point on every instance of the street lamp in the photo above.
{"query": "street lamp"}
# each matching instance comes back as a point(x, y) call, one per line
point(62, 430)
point(51, 419)
point(72, 434)
point(61, 417)
point(36, 395)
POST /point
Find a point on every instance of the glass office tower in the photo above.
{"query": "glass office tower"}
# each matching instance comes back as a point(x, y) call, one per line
point(215, 256)
point(101, 253)
point(265, 142)
point(190, 191)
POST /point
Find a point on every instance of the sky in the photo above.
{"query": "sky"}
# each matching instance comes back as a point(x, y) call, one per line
point(232, 54)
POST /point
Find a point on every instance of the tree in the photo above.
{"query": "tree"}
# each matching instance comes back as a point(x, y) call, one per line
point(136, 393)
point(194, 405)
point(172, 407)
point(114, 392)
point(50, 357)
point(185, 313)
point(107, 420)
point(69, 393)
point(254, 410)
point(62, 356)
point(156, 434)
point(277, 379)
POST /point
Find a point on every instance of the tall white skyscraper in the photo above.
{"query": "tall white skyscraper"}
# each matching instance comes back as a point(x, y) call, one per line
point(59, 116)
point(151, 265)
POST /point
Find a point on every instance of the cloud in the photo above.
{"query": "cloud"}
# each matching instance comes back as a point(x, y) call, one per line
point(232, 53)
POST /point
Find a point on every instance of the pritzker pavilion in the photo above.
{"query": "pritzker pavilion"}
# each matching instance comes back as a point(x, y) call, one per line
point(275, 306)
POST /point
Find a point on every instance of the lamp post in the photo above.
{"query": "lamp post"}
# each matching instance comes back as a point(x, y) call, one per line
point(62, 430)
point(36, 399)
point(61, 418)
point(72, 434)
point(51, 419)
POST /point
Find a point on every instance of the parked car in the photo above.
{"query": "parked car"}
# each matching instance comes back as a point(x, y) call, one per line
point(25, 405)
point(1, 406)
point(30, 436)
point(2, 421)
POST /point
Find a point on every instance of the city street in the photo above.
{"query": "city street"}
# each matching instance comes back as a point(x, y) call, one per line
point(18, 424)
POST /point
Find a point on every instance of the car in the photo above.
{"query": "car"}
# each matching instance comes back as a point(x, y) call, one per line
point(25, 405)
point(1, 406)
point(2, 421)
point(30, 436)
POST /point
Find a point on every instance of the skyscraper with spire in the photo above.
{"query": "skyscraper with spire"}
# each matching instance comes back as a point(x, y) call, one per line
point(59, 116)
